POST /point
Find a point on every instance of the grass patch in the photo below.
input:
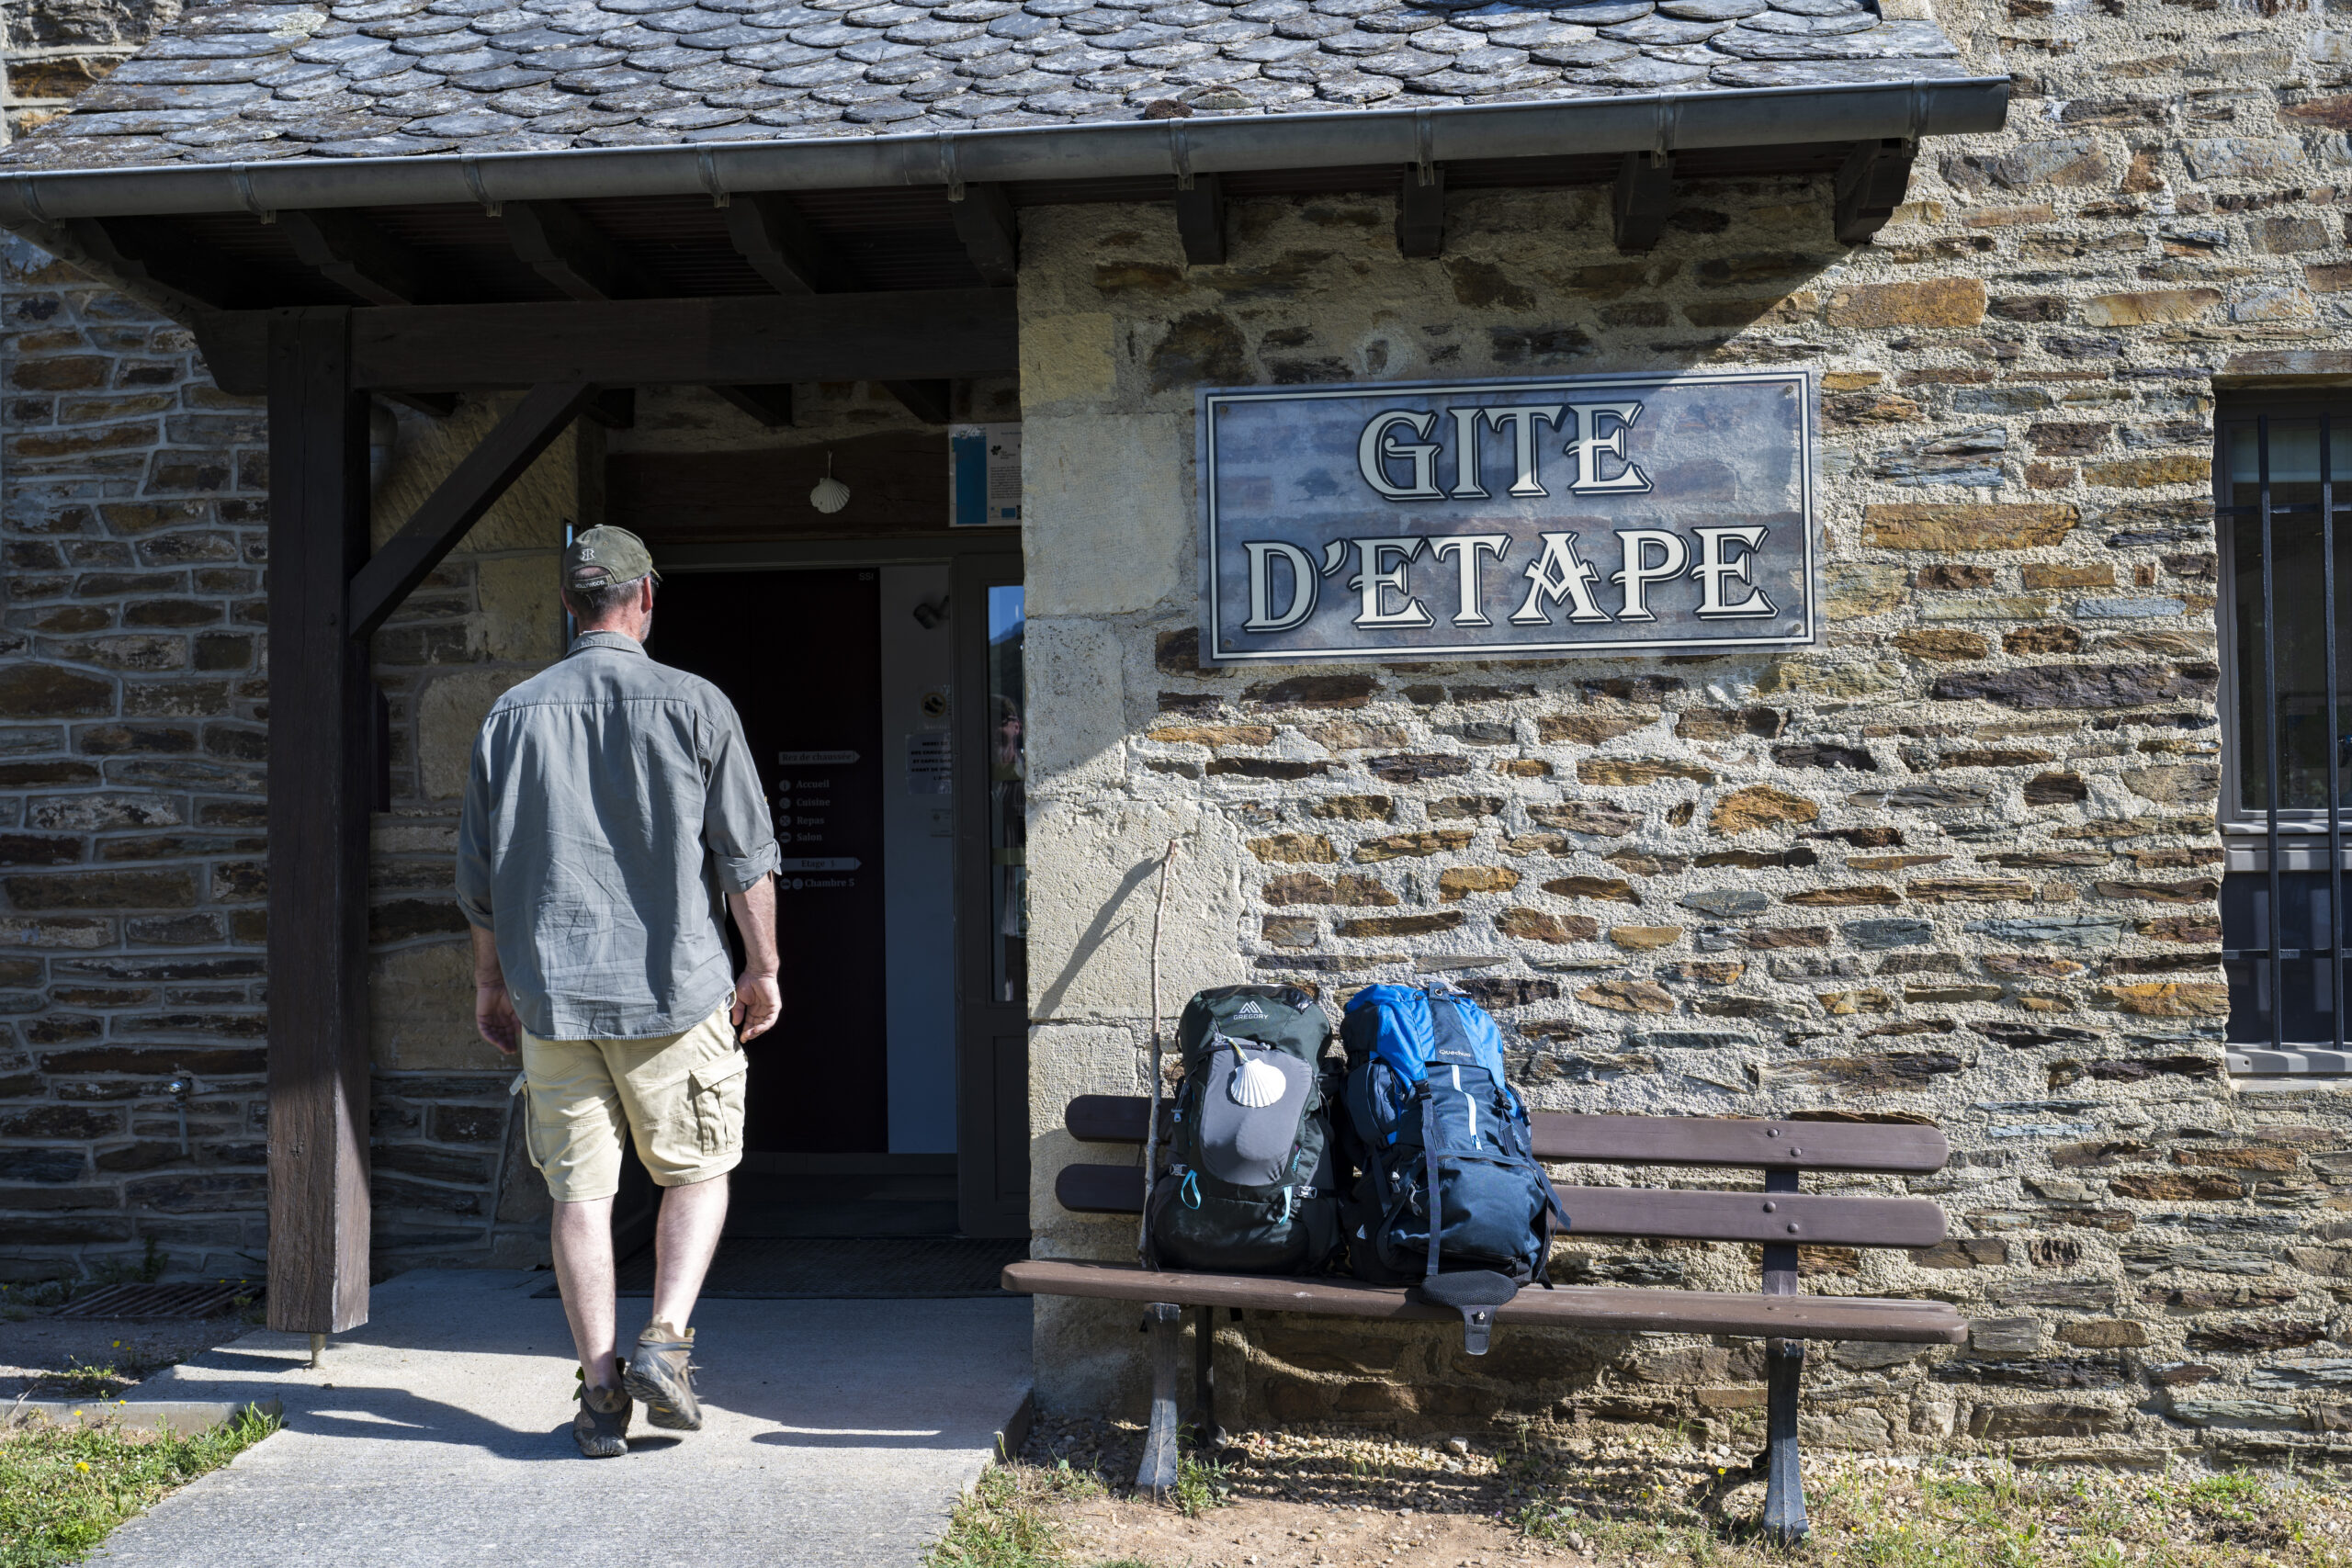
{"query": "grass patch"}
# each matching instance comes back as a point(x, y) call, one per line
point(1001, 1521)
point(64, 1488)
point(1972, 1514)
point(1201, 1484)
point(80, 1380)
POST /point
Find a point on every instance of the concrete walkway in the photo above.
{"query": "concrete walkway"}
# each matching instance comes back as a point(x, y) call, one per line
point(834, 1433)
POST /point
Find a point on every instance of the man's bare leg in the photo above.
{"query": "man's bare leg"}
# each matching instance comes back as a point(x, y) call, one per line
point(684, 1239)
point(582, 1237)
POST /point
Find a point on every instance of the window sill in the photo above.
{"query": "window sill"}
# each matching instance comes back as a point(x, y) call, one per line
point(2259, 1068)
point(2301, 847)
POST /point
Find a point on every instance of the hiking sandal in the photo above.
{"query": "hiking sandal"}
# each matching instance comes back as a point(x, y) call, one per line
point(661, 1377)
point(600, 1426)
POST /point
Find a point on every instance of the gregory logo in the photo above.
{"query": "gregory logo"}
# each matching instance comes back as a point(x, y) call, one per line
point(1250, 1009)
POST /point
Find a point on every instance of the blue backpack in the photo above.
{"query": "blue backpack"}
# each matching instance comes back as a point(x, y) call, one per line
point(1427, 1113)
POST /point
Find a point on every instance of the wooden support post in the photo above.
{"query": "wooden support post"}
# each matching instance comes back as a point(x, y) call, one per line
point(1156, 1476)
point(984, 222)
point(1207, 1432)
point(479, 479)
point(355, 255)
point(323, 709)
point(1643, 200)
point(1784, 1520)
point(1199, 221)
point(1870, 184)
point(1421, 211)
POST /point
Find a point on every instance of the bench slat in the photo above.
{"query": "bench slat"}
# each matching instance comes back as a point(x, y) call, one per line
point(1876, 1147)
point(1662, 1213)
point(1570, 1306)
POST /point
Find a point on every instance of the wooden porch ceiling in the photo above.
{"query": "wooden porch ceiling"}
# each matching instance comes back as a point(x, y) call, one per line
point(685, 247)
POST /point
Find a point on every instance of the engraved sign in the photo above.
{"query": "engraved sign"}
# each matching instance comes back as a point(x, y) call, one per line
point(1583, 515)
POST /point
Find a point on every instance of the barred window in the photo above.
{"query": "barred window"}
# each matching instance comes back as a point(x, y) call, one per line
point(2280, 506)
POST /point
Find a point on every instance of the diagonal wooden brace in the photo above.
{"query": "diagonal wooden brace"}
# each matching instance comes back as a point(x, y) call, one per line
point(477, 482)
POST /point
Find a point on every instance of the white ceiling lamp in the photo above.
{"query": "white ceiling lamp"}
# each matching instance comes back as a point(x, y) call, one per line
point(831, 495)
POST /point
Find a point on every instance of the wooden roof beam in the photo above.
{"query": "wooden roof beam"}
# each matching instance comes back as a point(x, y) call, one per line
point(565, 249)
point(771, 406)
point(899, 335)
point(1199, 221)
point(155, 252)
point(770, 232)
point(930, 400)
point(1421, 211)
point(1870, 184)
point(1642, 202)
point(355, 255)
point(991, 236)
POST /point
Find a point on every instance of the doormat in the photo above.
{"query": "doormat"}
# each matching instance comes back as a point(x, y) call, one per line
point(162, 1300)
point(758, 1269)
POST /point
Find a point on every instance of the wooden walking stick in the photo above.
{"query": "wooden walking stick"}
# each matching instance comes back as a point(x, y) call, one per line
point(1156, 1474)
point(1151, 1126)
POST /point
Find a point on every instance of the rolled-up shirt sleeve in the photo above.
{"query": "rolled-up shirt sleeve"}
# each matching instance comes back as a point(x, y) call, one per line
point(736, 826)
point(473, 838)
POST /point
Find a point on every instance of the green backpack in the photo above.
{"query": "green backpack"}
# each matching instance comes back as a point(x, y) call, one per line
point(1249, 1186)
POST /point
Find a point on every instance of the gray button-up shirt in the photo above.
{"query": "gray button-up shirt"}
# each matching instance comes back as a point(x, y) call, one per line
point(610, 805)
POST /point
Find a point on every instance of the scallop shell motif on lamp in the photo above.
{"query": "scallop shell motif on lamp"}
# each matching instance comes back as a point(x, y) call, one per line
point(831, 494)
point(1259, 1084)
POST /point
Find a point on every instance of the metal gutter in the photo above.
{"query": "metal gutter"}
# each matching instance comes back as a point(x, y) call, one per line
point(1663, 122)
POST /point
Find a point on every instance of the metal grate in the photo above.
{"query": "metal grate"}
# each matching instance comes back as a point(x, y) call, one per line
point(2260, 924)
point(162, 1301)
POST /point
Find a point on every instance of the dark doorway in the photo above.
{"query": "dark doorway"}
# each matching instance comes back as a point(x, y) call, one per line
point(889, 1101)
point(799, 654)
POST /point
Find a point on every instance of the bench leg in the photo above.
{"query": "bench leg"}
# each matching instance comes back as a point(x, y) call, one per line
point(1784, 1520)
point(1156, 1476)
point(1206, 1430)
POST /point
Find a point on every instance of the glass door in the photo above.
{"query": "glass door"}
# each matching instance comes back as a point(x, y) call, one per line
point(993, 940)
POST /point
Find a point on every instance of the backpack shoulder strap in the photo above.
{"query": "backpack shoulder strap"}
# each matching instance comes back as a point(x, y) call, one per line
point(1437, 1199)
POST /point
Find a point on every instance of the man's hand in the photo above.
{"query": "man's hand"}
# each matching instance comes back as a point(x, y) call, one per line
point(495, 1017)
point(757, 1001)
point(757, 998)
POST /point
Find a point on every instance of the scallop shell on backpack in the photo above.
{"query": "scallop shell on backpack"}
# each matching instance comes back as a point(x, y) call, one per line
point(1259, 1084)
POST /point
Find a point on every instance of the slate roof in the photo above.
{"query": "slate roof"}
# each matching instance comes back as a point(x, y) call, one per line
point(242, 81)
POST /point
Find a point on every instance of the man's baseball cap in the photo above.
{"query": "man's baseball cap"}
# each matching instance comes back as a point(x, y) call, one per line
point(604, 554)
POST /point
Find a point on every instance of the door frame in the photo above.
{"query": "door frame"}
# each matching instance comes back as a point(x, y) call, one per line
point(991, 1035)
point(976, 559)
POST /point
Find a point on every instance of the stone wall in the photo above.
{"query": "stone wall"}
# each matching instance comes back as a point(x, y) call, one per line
point(51, 49)
point(1958, 862)
point(133, 708)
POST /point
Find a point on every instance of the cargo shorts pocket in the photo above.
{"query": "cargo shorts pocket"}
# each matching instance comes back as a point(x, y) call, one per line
point(717, 1095)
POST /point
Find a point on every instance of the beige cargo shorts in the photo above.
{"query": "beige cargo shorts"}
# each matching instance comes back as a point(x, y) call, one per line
point(679, 1096)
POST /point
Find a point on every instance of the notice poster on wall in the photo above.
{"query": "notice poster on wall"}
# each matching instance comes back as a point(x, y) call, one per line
point(1595, 514)
point(984, 474)
point(931, 763)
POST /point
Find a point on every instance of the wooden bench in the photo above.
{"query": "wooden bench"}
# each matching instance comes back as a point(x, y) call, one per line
point(1781, 1218)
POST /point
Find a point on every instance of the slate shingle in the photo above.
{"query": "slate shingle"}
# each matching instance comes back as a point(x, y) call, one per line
point(377, 78)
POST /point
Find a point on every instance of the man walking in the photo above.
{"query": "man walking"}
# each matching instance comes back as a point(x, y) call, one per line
point(610, 805)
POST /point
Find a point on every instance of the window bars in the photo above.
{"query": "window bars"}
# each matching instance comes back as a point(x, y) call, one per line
point(2274, 749)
